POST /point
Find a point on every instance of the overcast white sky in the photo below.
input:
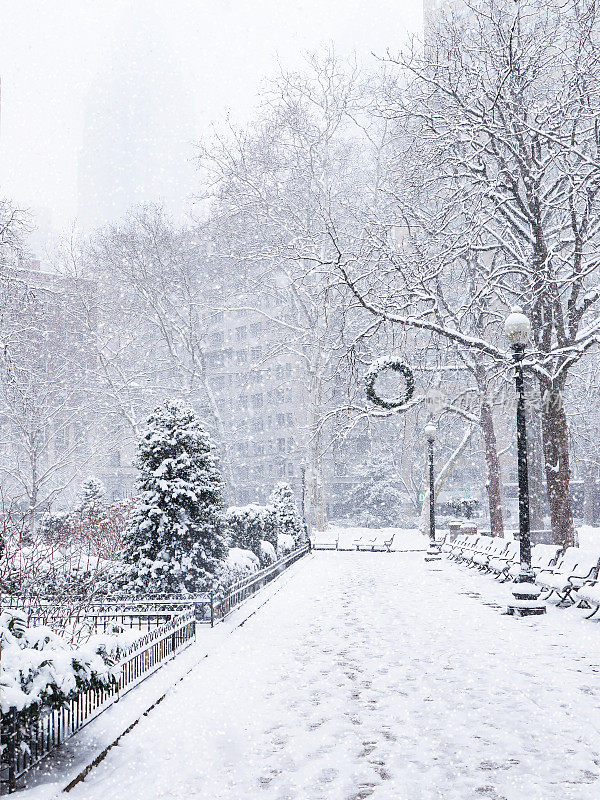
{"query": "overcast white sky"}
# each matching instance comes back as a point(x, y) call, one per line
point(50, 52)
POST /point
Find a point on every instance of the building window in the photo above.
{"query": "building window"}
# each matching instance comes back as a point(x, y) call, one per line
point(241, 356)
point(217, 338)
point(255, 353)
point(257, 400)
point(240, 333)
point(281, 445)
point(255, 328)
point(257, 425)
point(290, 468)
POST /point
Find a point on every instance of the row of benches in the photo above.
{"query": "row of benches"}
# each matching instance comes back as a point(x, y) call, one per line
point(573, 575)
point(373, 543)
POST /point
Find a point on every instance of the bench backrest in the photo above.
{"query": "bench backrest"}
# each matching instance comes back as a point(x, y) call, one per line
point(483, 544)
point(471, 540)
point(498, 547)
point(513, 552)
point(578, 561)
point(544, 555)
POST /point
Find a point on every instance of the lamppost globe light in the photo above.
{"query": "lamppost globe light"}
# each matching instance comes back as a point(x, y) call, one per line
point(517, 326)
point(430, 431)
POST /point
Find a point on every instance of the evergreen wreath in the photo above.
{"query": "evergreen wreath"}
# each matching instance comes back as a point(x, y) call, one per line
point(375, 370)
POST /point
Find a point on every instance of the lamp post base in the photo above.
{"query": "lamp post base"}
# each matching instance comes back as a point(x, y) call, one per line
point(526, 594)
point(434, 553)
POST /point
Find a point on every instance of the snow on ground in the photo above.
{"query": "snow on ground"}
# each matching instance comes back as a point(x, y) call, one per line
point(375, 675)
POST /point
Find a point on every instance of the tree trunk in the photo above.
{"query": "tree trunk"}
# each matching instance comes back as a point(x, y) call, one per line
point(492, 462)
point(589, 497)
point(535, 457)
point(558, 471)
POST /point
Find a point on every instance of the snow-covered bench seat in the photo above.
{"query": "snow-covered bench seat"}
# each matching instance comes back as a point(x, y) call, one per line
point(502, 563)
point(495, 549)
point(475, 547)
point(589, 595)
point(467, 547)
point(576, 566)
point(458, 546)
point(376, 544)
point(543, 557)
point(452, 549)
point(325, 541)
point(484, 548)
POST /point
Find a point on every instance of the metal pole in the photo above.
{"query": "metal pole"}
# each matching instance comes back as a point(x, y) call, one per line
point(431, 496)
point(523, 478)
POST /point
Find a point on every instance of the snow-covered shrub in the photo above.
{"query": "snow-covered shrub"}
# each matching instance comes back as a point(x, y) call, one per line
point(238, 564)
point(176, 542)
point(288, 520)
point(270, 524)
point(99, 527)
point(40, 670)
point(245, 527)
point(268, 553)
point(285, 544)
point(54, 524)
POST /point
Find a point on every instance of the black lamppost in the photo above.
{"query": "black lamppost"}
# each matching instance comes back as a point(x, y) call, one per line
point(433, 554)
point(526, 593)
point(303, 505)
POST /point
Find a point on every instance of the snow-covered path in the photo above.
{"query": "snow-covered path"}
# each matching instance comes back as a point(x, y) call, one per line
point(374, 675)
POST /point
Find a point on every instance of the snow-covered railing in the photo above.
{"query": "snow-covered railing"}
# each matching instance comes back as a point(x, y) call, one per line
point(27, 739)
point(240, 590)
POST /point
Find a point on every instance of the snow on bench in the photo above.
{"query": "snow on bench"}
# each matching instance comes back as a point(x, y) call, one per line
point(375, 544)
point(589, 595)
point(323, 541)
point(574, 568)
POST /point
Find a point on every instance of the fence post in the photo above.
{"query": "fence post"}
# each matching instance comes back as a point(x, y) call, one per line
point(212, 608)
point(12, 749)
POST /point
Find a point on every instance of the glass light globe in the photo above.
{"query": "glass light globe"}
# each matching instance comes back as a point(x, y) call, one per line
point(517, 327)
point(430, 431)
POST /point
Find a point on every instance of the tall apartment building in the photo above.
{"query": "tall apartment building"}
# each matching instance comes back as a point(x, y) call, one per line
point(261, 393)
point(46, 419)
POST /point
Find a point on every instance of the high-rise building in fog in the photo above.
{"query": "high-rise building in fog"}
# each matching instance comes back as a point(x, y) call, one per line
point(138, 138)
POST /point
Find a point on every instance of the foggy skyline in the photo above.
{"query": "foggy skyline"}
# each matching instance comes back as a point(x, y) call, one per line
point(51, 57)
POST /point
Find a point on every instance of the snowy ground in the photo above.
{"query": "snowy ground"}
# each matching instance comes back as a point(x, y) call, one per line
point(374, 675)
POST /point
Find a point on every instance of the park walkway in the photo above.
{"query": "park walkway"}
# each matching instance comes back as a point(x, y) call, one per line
point(376, 676)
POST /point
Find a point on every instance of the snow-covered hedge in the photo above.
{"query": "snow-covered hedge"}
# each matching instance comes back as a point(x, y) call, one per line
point(248, 525)
point(39, 669)
point(285, 544)
point(239, 564)
point(268, 553)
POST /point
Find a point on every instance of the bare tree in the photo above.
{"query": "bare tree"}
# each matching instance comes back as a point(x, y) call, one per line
point(496, 194)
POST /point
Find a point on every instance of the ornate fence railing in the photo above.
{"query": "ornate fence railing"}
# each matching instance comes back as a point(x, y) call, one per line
point(26, 739)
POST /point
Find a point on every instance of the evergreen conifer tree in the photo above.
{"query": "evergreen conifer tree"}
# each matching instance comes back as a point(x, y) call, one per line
point(176, 542)
point(92, 491)
point(286, 514)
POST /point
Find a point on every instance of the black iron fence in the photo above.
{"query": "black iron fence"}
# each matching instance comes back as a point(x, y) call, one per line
point(26, 738)
point(171, 624)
